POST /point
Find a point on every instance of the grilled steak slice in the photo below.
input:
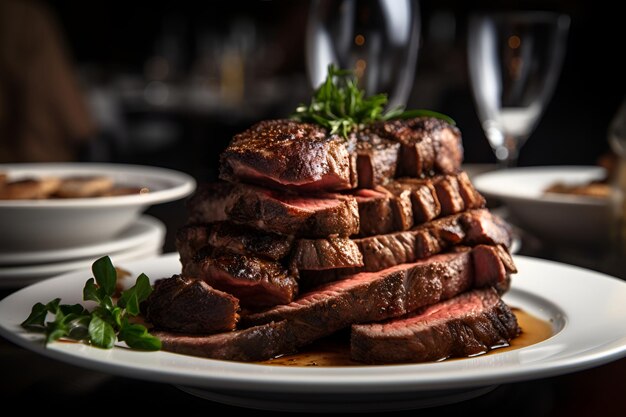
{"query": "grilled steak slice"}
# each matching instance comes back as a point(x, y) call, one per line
point(376, 159)
point(428, 145)
point(376, 214)
point(286, 154)
point(209, 202)
point(320, 254)
point(469, 228)
point(189, 305)
point(226, 237)
point(373, 296)
point(190, 239)
point(469, 324)
point(315, 216)
point(361, 298)
point(256, 282)
point(254, 344)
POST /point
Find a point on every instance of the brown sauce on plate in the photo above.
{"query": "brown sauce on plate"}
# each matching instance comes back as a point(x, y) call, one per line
point(335, 350)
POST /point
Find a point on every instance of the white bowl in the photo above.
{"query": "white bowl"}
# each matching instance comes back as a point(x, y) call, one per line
point(553, 217)
point(63, 223)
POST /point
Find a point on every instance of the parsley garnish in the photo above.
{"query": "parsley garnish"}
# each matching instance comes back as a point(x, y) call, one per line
point(107, 322)
point(339, 105)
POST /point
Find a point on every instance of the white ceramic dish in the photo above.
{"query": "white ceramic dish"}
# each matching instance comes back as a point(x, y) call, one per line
point(587, 334)
point(65, 223)
point(142, 231)
point(553, 217)
point(21, 276)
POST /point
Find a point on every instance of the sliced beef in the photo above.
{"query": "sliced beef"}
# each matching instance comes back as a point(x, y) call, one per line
point(190, 238)
point(470, 195)
point(376, 214)
point(228, 237)
point(209, 202)
point(490, 267)
point(321, 254)
point(285, 154)
point(312, 216)
point(189, 305)
point(372, 296)
point(256, 282)
point(422, 196)
point(254, 344)
point(469, 228)
point(376, 159)
point(428, 145)
point(466, 325)
point(361, 298)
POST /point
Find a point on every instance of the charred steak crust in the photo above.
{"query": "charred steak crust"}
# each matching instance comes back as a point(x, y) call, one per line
point(254, 344)
point(428, 145)
point(321, 254)
point(255, 281)
point(314, 216)
point(189, 305)
point(209, 202)
point(288, 154)
point(466, 325)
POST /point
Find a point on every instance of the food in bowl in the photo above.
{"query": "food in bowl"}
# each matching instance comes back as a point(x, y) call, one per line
point(63, 187)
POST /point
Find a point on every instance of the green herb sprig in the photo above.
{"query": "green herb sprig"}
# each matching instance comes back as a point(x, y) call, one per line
point(340, 106)
point(107, 322)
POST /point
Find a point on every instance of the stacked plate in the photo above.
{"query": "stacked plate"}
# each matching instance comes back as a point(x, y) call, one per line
point(142, 239)
point(41, 238)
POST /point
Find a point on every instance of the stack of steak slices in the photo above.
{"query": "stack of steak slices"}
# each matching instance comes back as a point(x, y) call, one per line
point(310, 233)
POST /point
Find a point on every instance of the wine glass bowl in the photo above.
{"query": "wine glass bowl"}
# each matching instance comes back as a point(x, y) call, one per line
point(377, 39)
point(514, 62)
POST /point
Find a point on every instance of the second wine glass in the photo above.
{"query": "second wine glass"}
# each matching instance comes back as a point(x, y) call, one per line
point(514, 62)
point(378, 39)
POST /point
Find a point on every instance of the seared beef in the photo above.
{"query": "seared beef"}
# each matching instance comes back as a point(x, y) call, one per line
point(254, 344)
point(209, 202)
point(187, 305)
point(320, 254)
point(470, 195)
point(365, 297)
point(191, 238)
point(469, 228)
point(429, 145)
point(290, 155)
point(376, 214)
point(314, 216)
point(449, 195)
point(376, 159)
point(469, 324)
point(373, 296)
point(302, 157)
point(256, 282)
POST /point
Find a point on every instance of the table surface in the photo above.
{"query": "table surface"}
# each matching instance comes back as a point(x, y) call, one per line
point(27, 376)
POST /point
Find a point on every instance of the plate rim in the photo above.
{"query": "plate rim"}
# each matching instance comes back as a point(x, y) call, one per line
point(149, 228)
point(180, 185)
point(507, 194)
point(326, 379)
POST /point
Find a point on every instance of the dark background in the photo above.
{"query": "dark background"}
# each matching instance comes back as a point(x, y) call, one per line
point(113, 41)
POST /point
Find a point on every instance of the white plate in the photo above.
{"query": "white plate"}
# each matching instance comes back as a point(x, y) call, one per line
point(20, 276)
point(64, 223)
point(587, 310)
point(143, 230)
point(554, 217)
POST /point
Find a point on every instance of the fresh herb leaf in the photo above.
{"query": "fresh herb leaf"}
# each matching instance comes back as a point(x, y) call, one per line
point(105, 275)
point(339, 105)
point(107, 321)
point(132, 297)
point(136, 336)
point(101, 333)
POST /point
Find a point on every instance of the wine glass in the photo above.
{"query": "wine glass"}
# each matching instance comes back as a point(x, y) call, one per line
point(378, 39)
point(514, 62)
